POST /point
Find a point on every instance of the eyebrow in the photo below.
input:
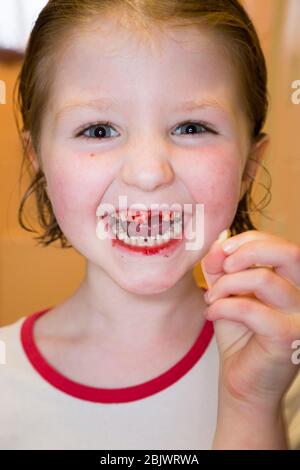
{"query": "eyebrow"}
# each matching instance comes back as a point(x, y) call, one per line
point(100, 104)
point(201, 103)
point(108, 103)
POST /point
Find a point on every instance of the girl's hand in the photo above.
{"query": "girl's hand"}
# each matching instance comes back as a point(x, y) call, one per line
point(256, 314)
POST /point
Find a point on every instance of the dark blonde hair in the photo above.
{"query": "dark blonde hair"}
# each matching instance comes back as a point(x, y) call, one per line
point(60, 19)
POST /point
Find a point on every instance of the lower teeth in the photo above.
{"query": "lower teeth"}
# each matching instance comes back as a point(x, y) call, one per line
point(139, 241)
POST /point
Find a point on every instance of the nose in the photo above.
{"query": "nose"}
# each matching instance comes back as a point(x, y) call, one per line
point(147, 165)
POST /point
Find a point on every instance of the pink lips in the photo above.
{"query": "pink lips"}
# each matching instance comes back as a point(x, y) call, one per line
point(163, 249)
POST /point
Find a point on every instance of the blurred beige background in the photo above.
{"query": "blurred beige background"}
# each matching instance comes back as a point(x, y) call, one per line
point(33, 278)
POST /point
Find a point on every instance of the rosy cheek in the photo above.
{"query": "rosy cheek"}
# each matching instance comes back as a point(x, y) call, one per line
point(70, 197)
point(224, 197)
point(215, 183)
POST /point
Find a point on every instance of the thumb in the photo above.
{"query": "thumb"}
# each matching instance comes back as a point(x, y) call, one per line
point(212, 263)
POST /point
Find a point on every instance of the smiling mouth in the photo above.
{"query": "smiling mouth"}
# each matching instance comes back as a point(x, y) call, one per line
point(144, 229)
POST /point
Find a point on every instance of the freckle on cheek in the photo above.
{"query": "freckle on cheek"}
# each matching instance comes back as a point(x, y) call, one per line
point(92, 154)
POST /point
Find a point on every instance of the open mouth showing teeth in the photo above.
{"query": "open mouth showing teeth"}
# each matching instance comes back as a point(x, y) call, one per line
point(146, 229)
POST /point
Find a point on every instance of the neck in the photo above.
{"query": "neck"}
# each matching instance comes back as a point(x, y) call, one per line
point(105, 309)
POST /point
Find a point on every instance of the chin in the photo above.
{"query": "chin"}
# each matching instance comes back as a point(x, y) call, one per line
point(148, 287)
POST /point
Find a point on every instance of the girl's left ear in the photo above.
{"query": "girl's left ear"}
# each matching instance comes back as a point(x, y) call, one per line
point(255, 157)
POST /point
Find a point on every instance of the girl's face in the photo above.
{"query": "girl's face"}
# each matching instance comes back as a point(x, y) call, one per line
point(147, 154)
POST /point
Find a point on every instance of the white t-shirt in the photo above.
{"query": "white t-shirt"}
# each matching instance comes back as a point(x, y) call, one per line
point(42, 409)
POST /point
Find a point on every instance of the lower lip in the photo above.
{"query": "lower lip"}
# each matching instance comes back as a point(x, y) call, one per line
point(164, 249)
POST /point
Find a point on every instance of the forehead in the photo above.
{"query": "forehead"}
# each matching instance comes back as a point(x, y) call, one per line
point(126, 64)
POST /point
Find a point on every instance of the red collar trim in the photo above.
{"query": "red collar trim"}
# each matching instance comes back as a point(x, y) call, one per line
point(115, 395)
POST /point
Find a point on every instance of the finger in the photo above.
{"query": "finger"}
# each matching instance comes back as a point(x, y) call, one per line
point(259, 318)
point(264, 283)
point(212, 262)
point(233, 243)
point(212, 265)
point(284, 257)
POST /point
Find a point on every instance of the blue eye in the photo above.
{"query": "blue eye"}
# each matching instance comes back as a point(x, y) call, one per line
point(96, 131)
point(191, 128)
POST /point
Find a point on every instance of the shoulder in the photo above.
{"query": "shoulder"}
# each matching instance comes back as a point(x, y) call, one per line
point(15, 377)
point(11, 331)
point(291, 409)
point(10, 344)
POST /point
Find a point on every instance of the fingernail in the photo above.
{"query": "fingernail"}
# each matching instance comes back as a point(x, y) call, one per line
point(224, 235)
point(209, 298)
point(228, 247)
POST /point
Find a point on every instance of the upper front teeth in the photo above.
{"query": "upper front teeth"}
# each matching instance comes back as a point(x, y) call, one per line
point(124, 216)
point(174, 230)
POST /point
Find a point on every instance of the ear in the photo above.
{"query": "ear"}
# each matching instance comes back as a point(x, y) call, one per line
point(30, 150)
point(256, 155)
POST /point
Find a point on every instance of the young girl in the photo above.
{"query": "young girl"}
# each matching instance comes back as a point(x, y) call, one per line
point(161, 103)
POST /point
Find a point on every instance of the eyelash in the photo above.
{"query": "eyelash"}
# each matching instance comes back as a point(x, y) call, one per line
point(108, 124)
